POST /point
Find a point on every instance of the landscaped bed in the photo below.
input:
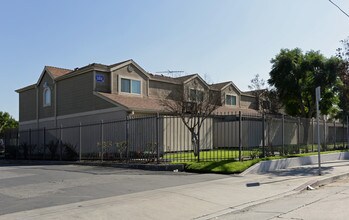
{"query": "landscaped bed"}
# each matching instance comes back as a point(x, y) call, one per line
point(235, 167)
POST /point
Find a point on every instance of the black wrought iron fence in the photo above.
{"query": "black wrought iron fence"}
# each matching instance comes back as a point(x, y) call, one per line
point(167, 139)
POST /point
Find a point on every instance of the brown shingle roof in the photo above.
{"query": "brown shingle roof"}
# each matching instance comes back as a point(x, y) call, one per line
point(56, 71)
point(177, 80)
point(219, 86)
point(135, 103)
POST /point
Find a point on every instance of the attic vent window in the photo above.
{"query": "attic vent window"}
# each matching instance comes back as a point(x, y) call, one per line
point(46, 95)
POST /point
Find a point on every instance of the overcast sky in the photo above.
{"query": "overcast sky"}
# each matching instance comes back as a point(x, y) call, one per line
point(223, 39)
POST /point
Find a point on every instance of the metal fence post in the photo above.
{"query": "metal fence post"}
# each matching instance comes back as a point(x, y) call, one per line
point(335, 134)
point(198, 144)
point(127, 141)
point(80, 141)
point(17, 144)
point(325, 132)
point(343, 134)
point(102, 144)
point(312, 134)
point(347, 132)
point(263, 136)
point(157, 138)
point(30, 143)
point(240, 136)
point(60, 142)
point(299, 134)
point(283, 134)
point(43, 156)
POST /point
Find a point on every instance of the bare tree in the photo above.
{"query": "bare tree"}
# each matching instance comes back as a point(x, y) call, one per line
point(193, 106)
point(267, 98)
point(259, 90)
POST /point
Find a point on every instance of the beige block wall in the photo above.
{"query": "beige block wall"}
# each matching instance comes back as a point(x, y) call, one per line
point(177, 137)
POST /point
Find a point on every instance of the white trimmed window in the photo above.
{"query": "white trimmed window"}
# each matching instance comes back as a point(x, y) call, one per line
point(130, 86)
point(230, 100)
point(47, 96)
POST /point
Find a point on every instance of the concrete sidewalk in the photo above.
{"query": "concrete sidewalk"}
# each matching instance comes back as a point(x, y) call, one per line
point(203, 200)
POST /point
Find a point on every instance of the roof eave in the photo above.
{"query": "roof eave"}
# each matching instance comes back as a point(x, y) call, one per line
point(112, 68)
point(33, 86)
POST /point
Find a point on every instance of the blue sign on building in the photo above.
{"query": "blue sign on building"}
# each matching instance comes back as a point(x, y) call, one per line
point(99, 78)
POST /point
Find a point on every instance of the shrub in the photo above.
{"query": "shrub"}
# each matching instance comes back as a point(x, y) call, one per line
point(52, 146)
point(70, 151)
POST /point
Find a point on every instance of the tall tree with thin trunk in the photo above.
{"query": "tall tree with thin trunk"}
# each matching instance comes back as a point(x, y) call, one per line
point(343, 54)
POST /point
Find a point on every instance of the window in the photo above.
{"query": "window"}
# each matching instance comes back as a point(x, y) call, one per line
point(230, 100)
point(131, 86)
point(196, 95)
point(47, 96)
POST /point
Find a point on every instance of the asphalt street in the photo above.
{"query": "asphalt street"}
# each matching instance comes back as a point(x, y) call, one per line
point(32, 187)
point(54, 192)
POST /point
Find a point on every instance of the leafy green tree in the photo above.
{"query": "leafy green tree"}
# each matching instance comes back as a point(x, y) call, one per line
point(295, 75)
point(6, 121)
point(343, 54)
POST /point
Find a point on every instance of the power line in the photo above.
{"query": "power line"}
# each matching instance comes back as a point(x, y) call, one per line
point(339, 8)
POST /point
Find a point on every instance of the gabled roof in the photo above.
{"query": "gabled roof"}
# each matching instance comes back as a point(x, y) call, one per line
point(174, 80)
point(253, 92)
point(219, 86)
point(223, 85)
point(128, 62)
point(56, 71)
point(53, 72)
point(191, 77)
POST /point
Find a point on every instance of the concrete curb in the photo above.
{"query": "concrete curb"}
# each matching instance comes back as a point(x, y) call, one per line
point(322, 182)
point(152, 167)
point(272, 165)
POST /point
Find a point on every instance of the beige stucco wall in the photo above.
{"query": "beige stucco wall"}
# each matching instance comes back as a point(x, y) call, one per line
point(195, 83)
point(103, 86)
point(75, 95)
point(230, 90)
point(163, 90)
point(248, 102)
point(27, 105)
point(124, 73)
point(46, 111)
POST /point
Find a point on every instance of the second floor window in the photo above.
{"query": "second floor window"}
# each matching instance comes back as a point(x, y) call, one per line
point(131, 86)
point(230, 100)
point(196, 95)
point(47, 96)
